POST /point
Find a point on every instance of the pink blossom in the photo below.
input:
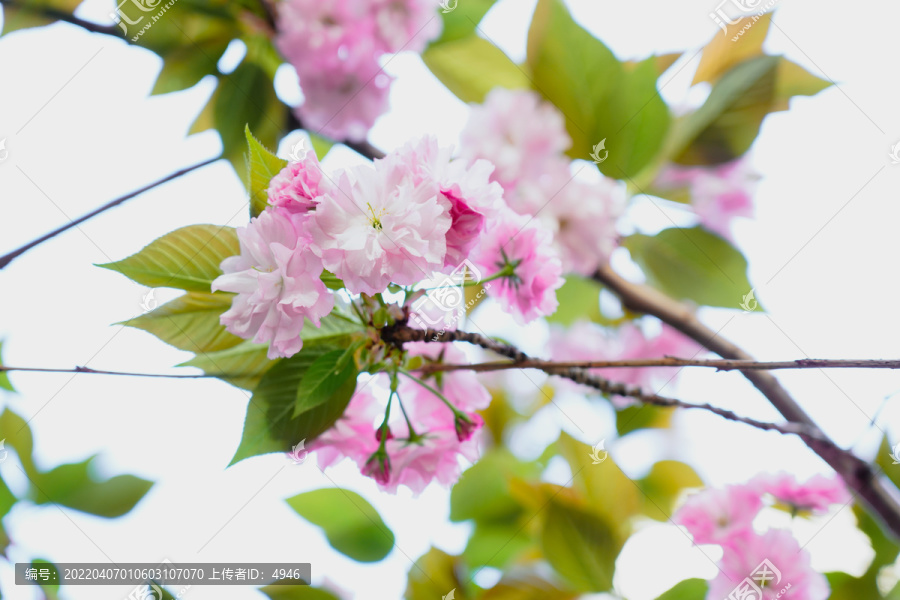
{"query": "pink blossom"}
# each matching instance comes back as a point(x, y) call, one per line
point(343, 103)
point(406, 24)
point(297, 185)
point(314, 34)
point(379, 227)
point(515, 131)
point(816, 494)
point(471, 195)
point(353, 435)
point(585, 341)
point(718, 194)
point(525, 245)
point(714, 516)
point(434, 458)
point(583, 218)
point(276, 279)
point(462, 388)
point(788, 574)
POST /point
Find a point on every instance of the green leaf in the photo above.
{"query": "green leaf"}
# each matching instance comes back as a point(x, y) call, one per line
point(184, 66)
point(463, 20)
point(643, 416)
point(242, 365)
point(262, 165)
point(296, 592)
point(269, 426)
point(496, 543)
point(163, 592)
point(72, 485)
point(334, 329)
point(353, 527)
point(321, 145)
point(725, 126)
point(17, 435)
point(692, 264)
point(5, 383)
point(580, 546)
point(482, 493)
point(434, 575)
point(34, 13)
point(689, 589)
point(327, 381)
point(526, 587)
point(663, 486)
point(721, 54)
point(50, 589)
point(471, 67)
point(246, 99)
point(187, 258)
point(579, 299)
point(190, 322)
point(599, 98)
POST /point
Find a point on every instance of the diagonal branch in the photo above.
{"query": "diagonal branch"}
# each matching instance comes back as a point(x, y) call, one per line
point(8, 258)
point(61, 15)
point(401, 333)
point(879, 494)
point(671, 361)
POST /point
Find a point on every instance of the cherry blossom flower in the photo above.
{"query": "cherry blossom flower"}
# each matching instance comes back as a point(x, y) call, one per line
point(353, 435)
point(816, 494)
point(406, 24)
point(787, 574)
point(718, 194)
point(379, 227)
point(515, 131)
point(296, 187)
point(467, 188)
point(715, 515)
point(523, 247)
point(276, 279)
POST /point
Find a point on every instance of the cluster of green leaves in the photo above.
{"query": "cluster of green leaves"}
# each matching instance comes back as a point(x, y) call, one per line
point(520, 522)
point(604, 98)
point(73, 485)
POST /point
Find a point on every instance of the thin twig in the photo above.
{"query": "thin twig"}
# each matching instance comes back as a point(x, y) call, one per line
point(401, 333)
point(91, 371)
point(670, 361)
point(880, 495)
point(61, 15)
point(8, 258)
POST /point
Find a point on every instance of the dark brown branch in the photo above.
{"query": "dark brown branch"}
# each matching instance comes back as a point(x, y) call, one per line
point(881, 496)
point(61, 15)
point(400, 333)
point(671, 361)
point(91, 371)
point(8, 258)
point(364, 148)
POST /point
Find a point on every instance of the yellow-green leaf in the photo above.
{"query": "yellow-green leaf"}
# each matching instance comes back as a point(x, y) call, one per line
point(262, 166)
point(190, 322)
point(721, 53)
point(472, 66)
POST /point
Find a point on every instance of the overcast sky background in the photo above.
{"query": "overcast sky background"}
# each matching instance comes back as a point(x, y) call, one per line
point(821, 250)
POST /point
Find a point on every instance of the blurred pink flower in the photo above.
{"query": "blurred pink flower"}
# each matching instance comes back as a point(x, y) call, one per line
point(585, 341)
point(378, 227)
point(816, 494)
point(517, 132)
point(583, 218)
point(519, 241)
point(406, 24)
point(718, 194)
point(296, 186)
point(276, 279)
point(353, 435)
point(716, 515)
point(787, 575)
point(434, 458)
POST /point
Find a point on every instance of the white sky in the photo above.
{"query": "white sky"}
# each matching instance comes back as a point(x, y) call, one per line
point(821, 252)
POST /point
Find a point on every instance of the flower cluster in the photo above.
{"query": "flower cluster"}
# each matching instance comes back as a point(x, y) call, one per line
point(408, 217)
point(436, 425)
point(718, 194)
point(586, 341)
point(335, 46)
point(526, 140)
point(725, 517)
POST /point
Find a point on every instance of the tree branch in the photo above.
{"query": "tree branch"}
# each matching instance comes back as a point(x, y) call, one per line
point(61, 15)
point(881, 496)
point(8, 258)
point(91, 371)
point(401, 333)
point(670, 361)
